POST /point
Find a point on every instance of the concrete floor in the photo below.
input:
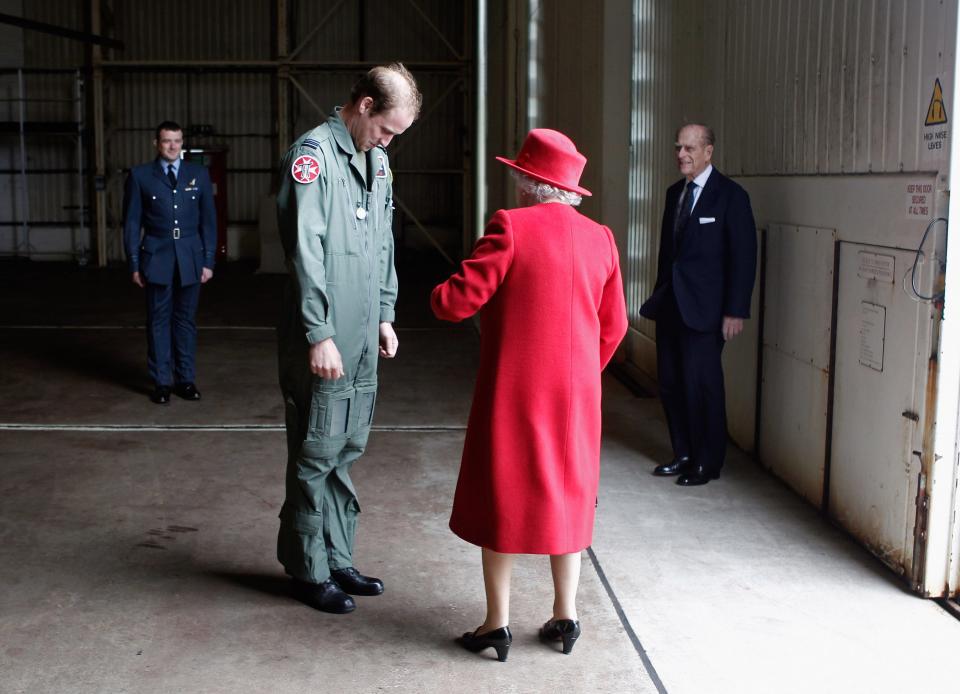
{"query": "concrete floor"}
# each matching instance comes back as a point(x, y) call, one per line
point(137, 542)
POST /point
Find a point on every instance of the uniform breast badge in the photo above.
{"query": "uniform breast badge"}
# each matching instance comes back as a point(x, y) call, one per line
point(305, 169)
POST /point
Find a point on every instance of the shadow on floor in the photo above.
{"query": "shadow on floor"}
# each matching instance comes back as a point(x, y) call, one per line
point(73, 353)
point(269, 584)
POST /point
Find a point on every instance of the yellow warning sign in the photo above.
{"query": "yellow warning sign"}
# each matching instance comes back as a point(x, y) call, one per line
point(936, 111)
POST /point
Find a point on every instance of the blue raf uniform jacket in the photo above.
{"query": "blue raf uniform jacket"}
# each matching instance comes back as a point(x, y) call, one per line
point(179, 223)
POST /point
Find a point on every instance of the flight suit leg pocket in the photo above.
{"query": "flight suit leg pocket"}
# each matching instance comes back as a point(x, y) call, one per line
point(340, 416)
point(305, 523)
point(300, 544)
point(342, 534)
point(350, 521)
point(318, 418)
point(366, 402)
point(329, 414)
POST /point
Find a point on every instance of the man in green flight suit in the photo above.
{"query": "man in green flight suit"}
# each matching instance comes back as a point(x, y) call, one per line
point(334, 207)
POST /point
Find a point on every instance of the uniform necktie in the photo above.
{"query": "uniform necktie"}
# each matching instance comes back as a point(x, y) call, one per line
point(683, 214)
point(171, 175)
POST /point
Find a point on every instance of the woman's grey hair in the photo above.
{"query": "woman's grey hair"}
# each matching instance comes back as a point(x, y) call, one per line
point(542, 192)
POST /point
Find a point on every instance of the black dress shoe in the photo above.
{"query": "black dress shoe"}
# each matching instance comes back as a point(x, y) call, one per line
point(187, 391)
point(351, 581)
point(326, 596)
point(676, 466)
point(161, 395)
point(498, 639)
point(697, 476)
point(565, 630)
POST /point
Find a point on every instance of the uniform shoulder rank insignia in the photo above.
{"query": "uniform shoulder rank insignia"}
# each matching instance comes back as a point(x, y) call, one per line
point(311, 143)
point(382, 168)
point(305, 169)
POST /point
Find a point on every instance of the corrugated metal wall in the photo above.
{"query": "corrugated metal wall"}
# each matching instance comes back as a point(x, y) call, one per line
point(821, 112)
point(52, 109)
point(380, 30)
point(191, 30)
point(651, 160)
point(237, 105)
point(52, 182)
point(137, 101)
point(792, 87)
point(428, 160)
point(231, 86)
point(44, 50)
point(823, 86)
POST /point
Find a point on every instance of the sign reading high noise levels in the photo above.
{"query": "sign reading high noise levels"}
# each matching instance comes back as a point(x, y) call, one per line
point(935, 132)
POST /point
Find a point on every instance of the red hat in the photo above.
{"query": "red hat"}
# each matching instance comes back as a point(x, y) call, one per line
point(551, 157)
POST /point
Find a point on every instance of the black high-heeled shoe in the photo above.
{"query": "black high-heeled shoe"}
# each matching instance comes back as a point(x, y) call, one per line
point(498, 639)
point(565, 630)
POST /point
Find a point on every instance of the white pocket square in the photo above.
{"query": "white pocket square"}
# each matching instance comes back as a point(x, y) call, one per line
point(707, 220)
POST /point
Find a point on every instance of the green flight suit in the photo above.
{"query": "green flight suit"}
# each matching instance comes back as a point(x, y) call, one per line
point(335, 212)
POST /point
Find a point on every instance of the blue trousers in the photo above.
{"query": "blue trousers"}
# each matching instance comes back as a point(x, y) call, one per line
point(172, 331)
point(690, 376)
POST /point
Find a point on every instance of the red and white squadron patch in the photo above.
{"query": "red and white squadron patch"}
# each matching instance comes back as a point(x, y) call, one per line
point(305, 169)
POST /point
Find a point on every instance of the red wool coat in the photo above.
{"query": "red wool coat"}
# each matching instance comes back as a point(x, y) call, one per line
point(548, 281)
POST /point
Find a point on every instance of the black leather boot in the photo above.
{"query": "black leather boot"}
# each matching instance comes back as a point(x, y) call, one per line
point(326, 596)
point(351, 581)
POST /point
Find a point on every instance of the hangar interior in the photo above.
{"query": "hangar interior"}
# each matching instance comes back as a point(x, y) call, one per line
point(139, 542)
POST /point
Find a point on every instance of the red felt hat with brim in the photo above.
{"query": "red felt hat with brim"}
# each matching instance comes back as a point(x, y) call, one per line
point(551, 157)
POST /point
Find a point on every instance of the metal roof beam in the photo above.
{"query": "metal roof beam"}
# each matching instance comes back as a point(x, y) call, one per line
point(55, 30)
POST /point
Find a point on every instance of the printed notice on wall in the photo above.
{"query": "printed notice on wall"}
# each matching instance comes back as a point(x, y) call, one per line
point(873, 324)
point(934, 130)
point(876, 266)
point(919, 200)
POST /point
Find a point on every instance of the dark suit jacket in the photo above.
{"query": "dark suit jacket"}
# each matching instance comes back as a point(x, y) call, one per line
point(712, 271)
point(150, 202)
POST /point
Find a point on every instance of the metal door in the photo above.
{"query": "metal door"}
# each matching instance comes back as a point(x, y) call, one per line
point(882, 344)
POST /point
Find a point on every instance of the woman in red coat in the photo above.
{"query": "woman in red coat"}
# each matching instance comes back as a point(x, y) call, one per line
point(548, 282)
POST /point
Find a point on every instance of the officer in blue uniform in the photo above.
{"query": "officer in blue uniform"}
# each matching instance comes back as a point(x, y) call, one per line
point(172, 202)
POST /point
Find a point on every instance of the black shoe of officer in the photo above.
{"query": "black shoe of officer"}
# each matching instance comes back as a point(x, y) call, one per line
point(326, 596)
point(677, 466)
point(160, 395)
point(697, 475)
point(187, 391)
point(354, 583)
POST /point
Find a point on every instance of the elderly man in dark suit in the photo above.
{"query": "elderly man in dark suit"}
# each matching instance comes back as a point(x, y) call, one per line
point(172, 202)
point(705, 276)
